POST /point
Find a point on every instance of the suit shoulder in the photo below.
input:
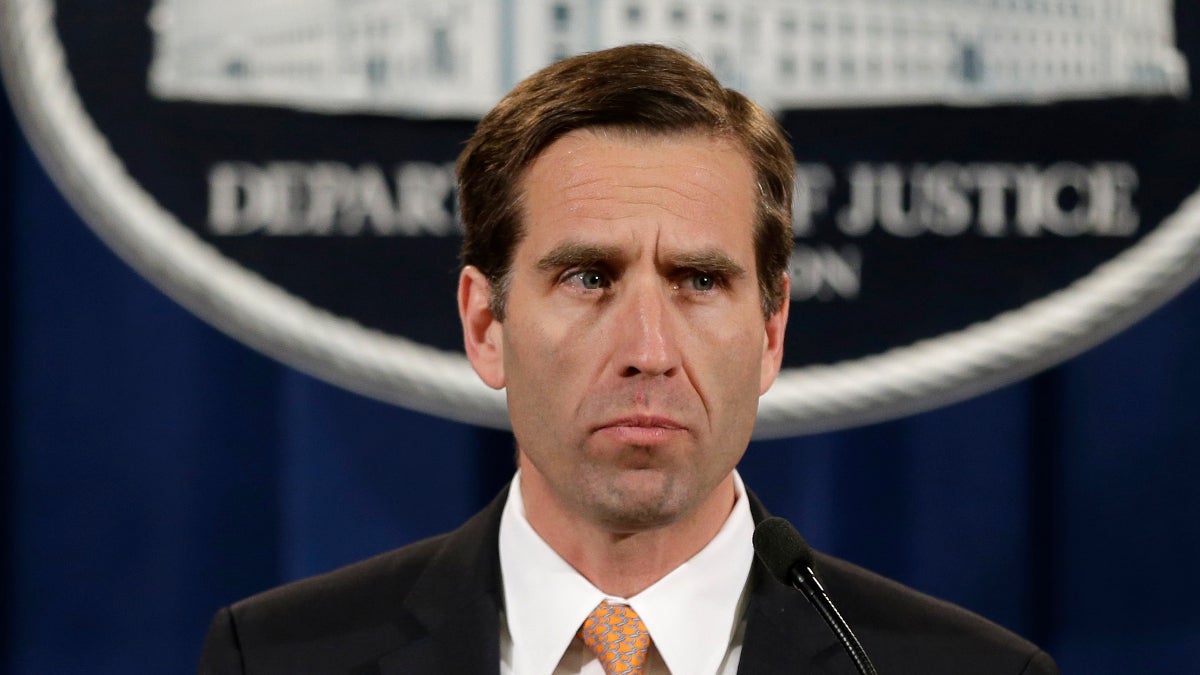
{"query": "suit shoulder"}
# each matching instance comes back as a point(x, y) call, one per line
point(348, 616)
point(359, 592)
point(896, 622)
point(352, 617)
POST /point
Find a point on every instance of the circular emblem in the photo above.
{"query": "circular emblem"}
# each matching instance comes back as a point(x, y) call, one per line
point(980, 193)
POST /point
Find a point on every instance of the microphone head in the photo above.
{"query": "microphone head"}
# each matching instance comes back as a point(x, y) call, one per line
point(780, 548)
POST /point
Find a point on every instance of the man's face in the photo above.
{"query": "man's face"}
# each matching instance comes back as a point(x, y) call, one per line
point(634, 348)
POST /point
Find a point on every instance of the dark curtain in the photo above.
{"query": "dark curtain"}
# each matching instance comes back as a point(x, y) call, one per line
point(154, 469)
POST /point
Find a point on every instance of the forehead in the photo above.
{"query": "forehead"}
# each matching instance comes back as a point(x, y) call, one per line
point(681, 187)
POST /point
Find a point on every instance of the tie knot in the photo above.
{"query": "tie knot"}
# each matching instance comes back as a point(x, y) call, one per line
point(616, 634)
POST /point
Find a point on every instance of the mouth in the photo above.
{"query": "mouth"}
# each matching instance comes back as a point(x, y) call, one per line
point(642, 430)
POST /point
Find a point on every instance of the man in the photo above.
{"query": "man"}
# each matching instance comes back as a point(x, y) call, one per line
point(624, 279)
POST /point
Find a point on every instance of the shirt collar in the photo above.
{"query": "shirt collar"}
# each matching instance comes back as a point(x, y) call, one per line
point(692, 613)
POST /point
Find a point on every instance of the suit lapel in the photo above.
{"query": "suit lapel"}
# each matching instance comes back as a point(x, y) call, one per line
point(454, 608)
point(784, 634)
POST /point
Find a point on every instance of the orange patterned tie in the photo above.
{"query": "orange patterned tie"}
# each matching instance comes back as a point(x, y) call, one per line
point(618, 637)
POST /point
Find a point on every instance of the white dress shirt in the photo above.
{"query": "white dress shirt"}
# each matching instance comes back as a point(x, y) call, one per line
point(695, 615)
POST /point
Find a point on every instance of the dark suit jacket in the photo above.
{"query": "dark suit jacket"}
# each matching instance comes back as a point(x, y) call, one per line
point(433, 608)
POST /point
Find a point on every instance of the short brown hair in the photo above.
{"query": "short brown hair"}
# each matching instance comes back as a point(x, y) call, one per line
point(636, 87)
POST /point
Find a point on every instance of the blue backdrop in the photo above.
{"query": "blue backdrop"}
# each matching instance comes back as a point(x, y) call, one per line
point(154, 469)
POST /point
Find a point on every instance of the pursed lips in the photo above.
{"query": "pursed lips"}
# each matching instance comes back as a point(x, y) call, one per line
point(641, 429)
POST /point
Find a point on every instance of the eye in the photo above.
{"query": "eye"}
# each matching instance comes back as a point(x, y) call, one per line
point(702, 281)
point(589, 280)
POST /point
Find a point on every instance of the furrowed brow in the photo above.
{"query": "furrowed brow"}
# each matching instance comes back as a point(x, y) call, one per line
point(575, 254)
point(708, 260)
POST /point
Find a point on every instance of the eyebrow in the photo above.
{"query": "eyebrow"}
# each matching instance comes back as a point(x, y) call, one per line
point(708, 260)
point(575, 254)
point(578, 254)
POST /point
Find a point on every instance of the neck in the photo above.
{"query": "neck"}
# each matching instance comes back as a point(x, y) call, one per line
point(623, 563)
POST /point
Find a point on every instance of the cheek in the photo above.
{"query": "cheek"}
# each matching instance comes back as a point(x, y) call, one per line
point(726, 361)
point(543, 361)
point(734, 337)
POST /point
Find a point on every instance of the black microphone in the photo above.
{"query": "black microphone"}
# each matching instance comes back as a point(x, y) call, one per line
point(790, 560)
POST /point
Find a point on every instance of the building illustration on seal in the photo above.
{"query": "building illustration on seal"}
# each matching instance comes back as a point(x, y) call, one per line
point(458, 57)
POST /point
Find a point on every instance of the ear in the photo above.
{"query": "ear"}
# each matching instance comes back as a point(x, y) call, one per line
point(483, 335)
point(773, 339)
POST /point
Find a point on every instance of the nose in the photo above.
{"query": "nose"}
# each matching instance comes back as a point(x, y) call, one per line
point(647, 338)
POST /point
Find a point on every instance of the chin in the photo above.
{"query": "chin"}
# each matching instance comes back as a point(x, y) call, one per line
point(630, 521)
point(636, 503)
